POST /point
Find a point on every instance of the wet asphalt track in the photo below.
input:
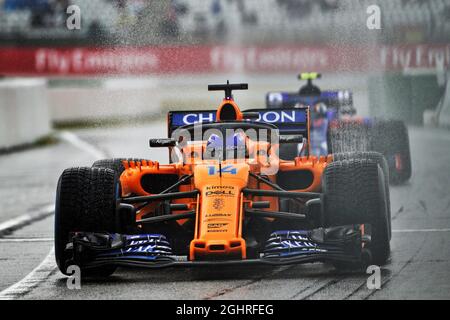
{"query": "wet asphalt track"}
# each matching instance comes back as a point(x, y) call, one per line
point(419, 267)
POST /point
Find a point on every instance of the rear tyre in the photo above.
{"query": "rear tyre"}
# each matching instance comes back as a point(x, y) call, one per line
point(288, 151)
point(85, 201)
point(355, 193)
point(390, 138)
point(348, 136)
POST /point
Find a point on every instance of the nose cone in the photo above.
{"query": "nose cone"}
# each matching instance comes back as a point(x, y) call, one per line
point(219, 218)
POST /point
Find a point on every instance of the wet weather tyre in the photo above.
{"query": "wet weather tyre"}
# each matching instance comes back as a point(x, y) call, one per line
point(369, 155)
point(391, 138)
point(347, 136)
point(381, 161)
point(288, 151)
point(355, 193)
point(115, 164)
point(85, 201)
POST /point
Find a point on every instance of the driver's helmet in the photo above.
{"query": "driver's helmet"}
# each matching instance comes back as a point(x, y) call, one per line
point(299, 105)
point(214, 142)
point(320, 108)
point(234, 142)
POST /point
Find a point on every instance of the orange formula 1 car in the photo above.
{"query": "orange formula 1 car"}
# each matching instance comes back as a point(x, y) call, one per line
point(225, 198)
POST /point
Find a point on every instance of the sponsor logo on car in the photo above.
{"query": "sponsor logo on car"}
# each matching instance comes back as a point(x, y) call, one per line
point(216, 225)
point(218, 203)
point(226, 191)
point(269, 116)
point(220, 193)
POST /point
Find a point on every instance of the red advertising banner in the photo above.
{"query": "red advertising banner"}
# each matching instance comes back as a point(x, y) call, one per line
point(209, 59)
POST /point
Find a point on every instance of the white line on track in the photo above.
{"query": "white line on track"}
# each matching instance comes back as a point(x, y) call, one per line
point(32, 280)
point(83, 145)
point(25, 219)
point(48, 266)
point(26, 240)
point(420, 230)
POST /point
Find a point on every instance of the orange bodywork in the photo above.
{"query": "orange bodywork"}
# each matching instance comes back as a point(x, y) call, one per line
point(220, 204)
point(219, 227)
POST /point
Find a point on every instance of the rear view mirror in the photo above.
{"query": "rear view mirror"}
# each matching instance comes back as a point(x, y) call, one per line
point(251, 115)
point(298, 138)
point(163, 142)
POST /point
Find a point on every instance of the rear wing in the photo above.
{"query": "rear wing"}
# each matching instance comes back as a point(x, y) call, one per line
point(289, 121)
point(333, 99)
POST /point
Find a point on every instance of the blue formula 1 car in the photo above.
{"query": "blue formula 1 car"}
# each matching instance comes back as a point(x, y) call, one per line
point(335, 128)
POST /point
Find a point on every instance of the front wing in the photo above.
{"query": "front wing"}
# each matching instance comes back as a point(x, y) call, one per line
point(90, 250)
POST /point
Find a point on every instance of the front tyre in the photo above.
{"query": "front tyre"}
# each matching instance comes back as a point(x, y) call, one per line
point(85, 201)
point(355, 194)
point(381, 161)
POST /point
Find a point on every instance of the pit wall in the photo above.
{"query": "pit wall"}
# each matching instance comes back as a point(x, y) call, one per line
point(24, 112)
point(443, 117)
point(145, 97)
point(403, 96)
point(107, 99)
point(29, 106)
point(418, 98)
point(441, 114)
